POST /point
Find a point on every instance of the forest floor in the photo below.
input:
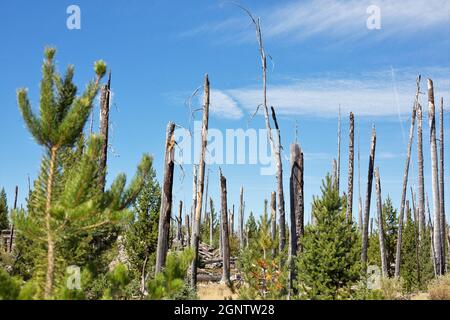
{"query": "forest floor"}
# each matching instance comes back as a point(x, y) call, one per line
point(215, 291)
point(420, 296)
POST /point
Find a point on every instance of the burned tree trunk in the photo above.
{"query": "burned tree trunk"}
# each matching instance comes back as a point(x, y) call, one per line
point(294, 186)
point(300, 217)
point(180, 222)
point(232, 222)
point(201, 182)
point(224, 231)
point(360, 217)
point(384, 266)
point(194, 197)
point(351, 155)
point(365, 235)
point(435, 179)
point(334, 169)
point(241, 219)
point(188, 229)
point(211, 222)
point(405, 184)
point(420, 176)
point(104, 130)
point(280, 191)
point(11, 234)
point(441, 182)
point(273, 219)
point(206, 196)
point(166, 200)
point(338, 166)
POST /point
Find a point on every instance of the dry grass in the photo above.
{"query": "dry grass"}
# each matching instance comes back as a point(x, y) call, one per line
point(215, 291)
point(439, 289)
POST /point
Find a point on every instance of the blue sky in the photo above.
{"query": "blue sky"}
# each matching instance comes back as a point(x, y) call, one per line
point(323, 56)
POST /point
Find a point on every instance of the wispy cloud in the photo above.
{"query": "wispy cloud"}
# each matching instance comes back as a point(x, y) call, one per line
point(371, 94)
point(343, 20)
point(224, 106)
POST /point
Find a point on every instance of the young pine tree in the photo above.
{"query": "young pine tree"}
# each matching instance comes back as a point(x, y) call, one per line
point(330, 261)
point(390, 236)
point(251, 227)
point(4, 222)
point(67, 205)
point(410, 271)
point(142, 234)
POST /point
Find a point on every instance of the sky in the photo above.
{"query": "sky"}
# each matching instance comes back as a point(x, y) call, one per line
point(324, 55)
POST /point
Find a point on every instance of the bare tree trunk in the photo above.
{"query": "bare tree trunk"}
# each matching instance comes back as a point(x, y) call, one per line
point(338, 167)
point(294, 184)
point(11, 234)
point(360, 217)
point(421, 184)
point(206, 196)
point(280, 191)
point(232, 222)
point(273, 215)
point(300, 217)
point(211, 223)
point(241, 219)
point(414, 208)
point(224, 228)
point(188, 229)
point(433, 251)
point(441, 182)
point(201, 183)
point(404, 186)
point(194, 197)
point(334, 169)
point(384, 266)
point(351, 156)
point(180, 222)
point(166, 200)
point(435, 178)
point(104, 129)
point(365, 235)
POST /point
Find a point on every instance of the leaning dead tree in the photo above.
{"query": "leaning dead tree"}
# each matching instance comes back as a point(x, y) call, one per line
point(201, 183)
point(351, 156)
point(104, 129)
point(441, 181)
point(224, 231)
point(166, 200)
point(294, 188)
point(241, 219)
point(398, 252)
point(435, 179)
point(280, 184)
point(384, 266)
point(232, 221)
point(276, 147)
point(365, 235)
